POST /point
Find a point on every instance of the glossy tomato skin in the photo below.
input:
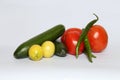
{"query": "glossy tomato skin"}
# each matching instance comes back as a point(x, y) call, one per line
point(70, 38)
point(68, 31)
point(98, 38)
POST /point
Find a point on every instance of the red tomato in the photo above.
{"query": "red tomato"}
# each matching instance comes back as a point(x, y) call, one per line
point(98, 38)
point(70, 38)
point(68, 31)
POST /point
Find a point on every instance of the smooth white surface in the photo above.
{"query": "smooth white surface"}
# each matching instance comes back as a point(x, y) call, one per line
point(23, 19)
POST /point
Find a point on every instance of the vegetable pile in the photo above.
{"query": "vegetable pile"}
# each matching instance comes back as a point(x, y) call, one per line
point(74, 41)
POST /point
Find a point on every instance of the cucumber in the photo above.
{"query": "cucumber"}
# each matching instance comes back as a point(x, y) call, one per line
point(60, 49)
point(51, 34)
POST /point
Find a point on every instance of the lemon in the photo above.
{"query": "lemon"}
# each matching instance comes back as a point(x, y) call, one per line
point(35, 52)
point(48, 48)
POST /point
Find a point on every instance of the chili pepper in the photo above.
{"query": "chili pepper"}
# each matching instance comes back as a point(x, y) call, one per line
point(88, 49)
point(84, 33)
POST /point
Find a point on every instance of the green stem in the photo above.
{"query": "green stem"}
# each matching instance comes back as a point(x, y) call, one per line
point(84, 33)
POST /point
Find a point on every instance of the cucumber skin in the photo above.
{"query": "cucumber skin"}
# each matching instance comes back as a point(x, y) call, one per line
point(51, 34)
point(60, 49)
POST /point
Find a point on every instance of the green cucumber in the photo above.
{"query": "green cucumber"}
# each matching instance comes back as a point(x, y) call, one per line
point(51, 34)
point(60, 49)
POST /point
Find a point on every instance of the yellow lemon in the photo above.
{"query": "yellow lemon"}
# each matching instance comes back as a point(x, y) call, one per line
point(48, 48)
point(35, 52)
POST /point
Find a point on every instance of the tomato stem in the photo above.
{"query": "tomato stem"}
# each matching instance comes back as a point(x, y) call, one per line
point(84, 33)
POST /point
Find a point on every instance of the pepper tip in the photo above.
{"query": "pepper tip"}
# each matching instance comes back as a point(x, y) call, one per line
point(96, 16)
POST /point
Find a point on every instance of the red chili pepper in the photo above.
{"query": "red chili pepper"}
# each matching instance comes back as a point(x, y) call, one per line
point(70, 39)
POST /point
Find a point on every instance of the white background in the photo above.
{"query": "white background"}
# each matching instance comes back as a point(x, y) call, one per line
point(23, 19)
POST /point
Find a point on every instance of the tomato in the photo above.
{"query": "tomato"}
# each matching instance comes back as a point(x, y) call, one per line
point(98, 38)
point(77, 30)
point(48, 48)
point(35, 52)
point(70, 38)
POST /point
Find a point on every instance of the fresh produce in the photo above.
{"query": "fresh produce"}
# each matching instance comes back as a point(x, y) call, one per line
point(70, 39)
point(48, 48)
point(51, 34)
point(98, 38)
point(60, 49)
point(74, 41)
point(35, 52)
point(84, 33)
point(87, 50)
